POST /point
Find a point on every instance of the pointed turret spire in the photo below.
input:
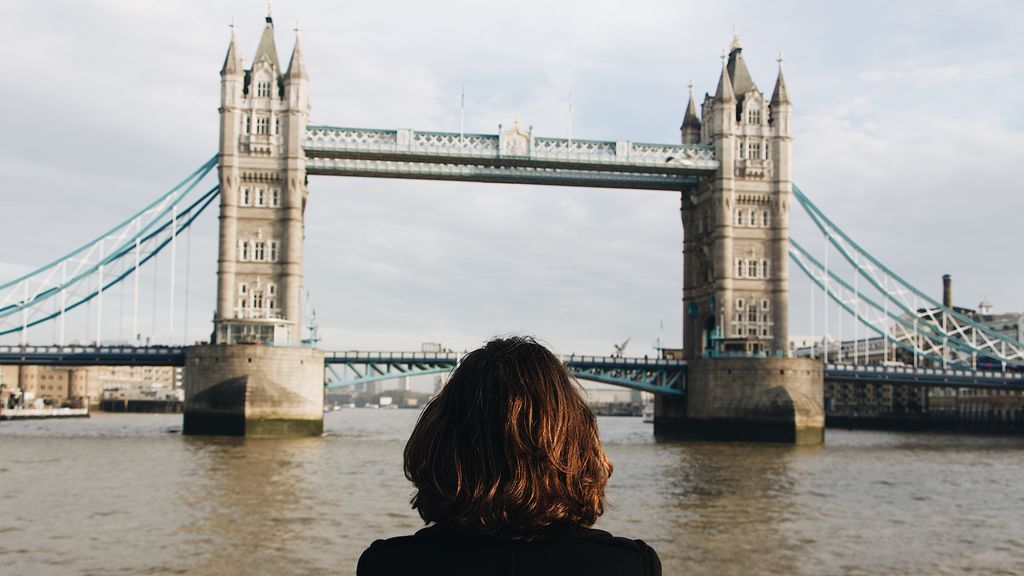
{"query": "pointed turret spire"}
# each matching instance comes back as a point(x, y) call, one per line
point(780, 95)
point(296, 66)
point(232, 62)
point(691, 118)
point(691, 122)
point(741, 80)
point(724, 92)
point(267, 49)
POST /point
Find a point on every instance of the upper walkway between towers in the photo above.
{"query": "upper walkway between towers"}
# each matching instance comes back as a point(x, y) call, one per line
point(512, 156)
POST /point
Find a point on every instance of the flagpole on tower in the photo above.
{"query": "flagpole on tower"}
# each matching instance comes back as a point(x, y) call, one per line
point(570, 117)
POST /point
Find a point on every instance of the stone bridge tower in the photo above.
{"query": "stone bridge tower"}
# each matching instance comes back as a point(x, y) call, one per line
point(742, 383)
point(263, 116)
point(736, 224)
point(240, 384)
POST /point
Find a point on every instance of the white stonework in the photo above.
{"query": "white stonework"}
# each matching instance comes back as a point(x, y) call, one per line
point(736, 223)
point(263, 117)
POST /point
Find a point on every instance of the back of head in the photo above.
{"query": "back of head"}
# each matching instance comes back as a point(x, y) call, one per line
point(509, 446)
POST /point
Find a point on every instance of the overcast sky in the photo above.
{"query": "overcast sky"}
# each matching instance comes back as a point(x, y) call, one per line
point(908, 123)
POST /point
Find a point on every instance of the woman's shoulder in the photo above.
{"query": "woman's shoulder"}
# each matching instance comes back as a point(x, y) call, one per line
point(588, 550)
point(632, 555)
point(397, 554)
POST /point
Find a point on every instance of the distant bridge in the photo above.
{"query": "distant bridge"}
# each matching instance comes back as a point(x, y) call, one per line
point(658, 376)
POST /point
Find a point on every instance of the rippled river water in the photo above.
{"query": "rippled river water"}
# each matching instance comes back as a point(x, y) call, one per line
point(128, 494)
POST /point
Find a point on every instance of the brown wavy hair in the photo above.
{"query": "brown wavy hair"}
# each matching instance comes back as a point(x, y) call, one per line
point(509, 446)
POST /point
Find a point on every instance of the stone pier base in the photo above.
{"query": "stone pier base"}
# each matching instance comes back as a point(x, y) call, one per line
point(254, 390)
point(747, 399)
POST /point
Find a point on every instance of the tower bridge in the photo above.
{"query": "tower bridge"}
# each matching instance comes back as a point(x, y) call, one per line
point(732, 169)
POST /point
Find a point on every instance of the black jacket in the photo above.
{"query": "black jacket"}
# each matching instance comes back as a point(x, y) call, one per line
point(459, 551)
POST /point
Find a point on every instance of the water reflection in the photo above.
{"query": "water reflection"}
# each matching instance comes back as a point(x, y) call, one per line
point(736, 502)
point(709, 508)
point(252, 505)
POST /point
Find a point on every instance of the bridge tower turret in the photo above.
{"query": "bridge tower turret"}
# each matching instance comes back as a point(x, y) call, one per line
point(741, 383)
point(263, 116)
point(235, 385)
point(736, 241)
point(691, 123)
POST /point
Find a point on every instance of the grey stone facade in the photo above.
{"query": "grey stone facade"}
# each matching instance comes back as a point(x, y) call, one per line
point(263, 117)
point(736, 224)
point(742, 383)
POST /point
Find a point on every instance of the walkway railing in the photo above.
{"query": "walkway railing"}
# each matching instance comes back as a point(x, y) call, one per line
point(512, 156)
point(933, 377)
point(91, 355)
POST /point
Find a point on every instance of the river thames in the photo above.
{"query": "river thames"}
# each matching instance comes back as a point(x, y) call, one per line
point(128, 494)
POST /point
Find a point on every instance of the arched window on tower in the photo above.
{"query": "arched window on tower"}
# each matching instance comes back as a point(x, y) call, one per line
point(740, 217)
point(754, 116)
point(752, 268)
point(739, 268)
point(765, 219)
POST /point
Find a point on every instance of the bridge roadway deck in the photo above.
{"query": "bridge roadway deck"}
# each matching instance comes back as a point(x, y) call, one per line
point(640, 373)
point(511, 157)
